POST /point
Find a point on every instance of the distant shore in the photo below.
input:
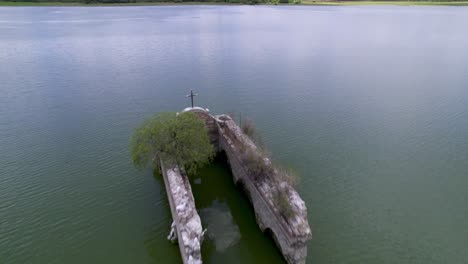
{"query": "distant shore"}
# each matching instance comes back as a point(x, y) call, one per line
point(8, 3)
point(400, 3)
point(304, 2)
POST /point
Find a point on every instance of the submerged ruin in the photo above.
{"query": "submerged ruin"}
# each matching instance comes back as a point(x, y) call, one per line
point(279, 210)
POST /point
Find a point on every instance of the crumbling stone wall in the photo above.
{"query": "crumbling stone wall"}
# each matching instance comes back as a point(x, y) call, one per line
point(290, 236)
point(186, 219)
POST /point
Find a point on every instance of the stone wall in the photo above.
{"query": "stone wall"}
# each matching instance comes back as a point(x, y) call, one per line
point(186, 219)
point(292, 233)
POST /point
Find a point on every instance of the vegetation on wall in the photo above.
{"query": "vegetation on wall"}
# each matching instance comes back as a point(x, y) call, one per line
point(281, 200)
point(248, 127)
point(260, 167)
point(256, 165)
point(181, 138)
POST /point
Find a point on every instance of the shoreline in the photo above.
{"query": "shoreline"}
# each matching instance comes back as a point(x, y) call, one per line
point(304, 3)
point(395, 3)
point(8, 3)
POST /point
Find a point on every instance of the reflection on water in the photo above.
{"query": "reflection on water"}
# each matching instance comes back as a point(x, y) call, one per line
point(220, 225)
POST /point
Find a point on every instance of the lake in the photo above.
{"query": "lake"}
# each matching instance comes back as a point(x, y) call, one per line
point(369, 104)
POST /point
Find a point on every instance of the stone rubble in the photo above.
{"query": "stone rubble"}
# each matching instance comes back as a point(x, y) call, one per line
point(173, 233)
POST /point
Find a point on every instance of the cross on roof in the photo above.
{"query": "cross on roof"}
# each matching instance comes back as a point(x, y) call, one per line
point(191, 95)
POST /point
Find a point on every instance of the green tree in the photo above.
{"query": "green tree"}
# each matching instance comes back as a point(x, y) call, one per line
point(182, 139)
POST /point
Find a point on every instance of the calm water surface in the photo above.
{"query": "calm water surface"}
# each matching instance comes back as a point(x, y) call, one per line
point(369, 104)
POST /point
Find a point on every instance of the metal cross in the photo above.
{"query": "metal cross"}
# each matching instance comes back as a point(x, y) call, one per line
point(191, 95)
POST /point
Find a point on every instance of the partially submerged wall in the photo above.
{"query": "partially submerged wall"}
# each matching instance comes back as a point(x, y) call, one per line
point(186, 219)
point(291, 233)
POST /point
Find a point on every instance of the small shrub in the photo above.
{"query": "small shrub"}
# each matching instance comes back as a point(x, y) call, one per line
point(281, 201)
point(256, 165)
point(288, 175)
point(248, 128)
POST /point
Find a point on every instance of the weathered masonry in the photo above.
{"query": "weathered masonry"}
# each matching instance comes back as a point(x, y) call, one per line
point(291, 232)
point(186, 227)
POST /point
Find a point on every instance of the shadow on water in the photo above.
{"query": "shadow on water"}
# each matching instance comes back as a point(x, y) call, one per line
point(232, 233)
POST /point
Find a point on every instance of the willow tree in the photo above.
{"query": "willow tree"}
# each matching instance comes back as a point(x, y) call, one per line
point(179, 139)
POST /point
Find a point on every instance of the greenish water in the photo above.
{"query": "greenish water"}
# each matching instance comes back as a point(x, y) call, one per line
point(229, 218)
point(368, 103)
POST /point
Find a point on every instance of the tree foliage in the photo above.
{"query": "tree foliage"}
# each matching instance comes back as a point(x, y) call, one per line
point(182, 139)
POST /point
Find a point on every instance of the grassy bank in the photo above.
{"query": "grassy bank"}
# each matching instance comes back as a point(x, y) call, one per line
point(304, 2)
point(399, 3)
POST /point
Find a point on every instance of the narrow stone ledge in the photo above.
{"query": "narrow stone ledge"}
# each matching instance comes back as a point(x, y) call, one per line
point(297, 223)
point(291, 233)
point(184, 213)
